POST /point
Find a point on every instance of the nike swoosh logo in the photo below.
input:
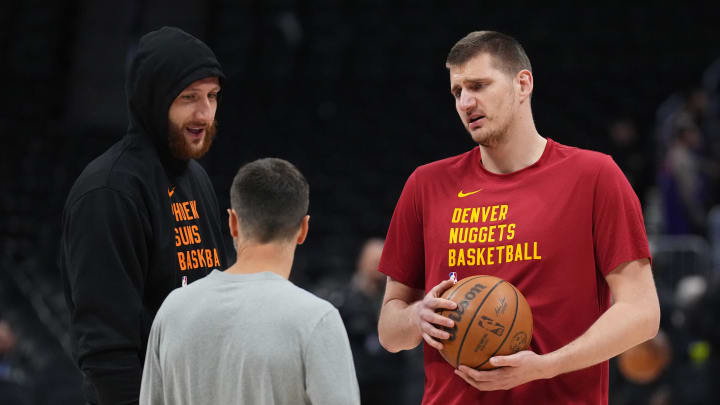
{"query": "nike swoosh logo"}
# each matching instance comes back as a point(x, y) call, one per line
point(171, 192)
point(461, 194)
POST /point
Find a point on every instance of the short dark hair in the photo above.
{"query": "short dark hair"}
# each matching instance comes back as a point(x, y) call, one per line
point(270, 197)
point(506, 50)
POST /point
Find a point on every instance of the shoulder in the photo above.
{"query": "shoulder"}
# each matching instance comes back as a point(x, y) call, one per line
point(178, 298)
point(307, 301)
point(200, 178)
point(123, 169)
point(196, 167)
point(300, 308)
point(170, 302)
point(447, 166)
point(583, 162)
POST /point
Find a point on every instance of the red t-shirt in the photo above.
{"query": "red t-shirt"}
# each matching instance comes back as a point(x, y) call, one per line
point(553, 229)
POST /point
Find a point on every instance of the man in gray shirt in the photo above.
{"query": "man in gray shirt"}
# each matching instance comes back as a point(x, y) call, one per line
point(248, 335)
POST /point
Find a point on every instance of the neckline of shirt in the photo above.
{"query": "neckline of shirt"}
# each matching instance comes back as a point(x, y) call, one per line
point(546, 152)
point(261, 276)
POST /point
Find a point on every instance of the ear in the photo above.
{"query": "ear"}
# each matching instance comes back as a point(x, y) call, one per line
point(232, 223)
point(304, 226)
point(524, 80)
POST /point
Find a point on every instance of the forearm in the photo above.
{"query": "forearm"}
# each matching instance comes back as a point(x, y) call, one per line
point(621, 327)
point(116, 376)
point(396, 328)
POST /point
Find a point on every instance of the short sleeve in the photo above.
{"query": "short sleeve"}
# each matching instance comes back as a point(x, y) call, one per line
point(329, 369)
point(151, 389)
point(618, 228)
point(403, 256)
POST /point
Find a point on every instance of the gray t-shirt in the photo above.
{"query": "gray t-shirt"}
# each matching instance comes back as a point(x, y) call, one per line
point(247, 339)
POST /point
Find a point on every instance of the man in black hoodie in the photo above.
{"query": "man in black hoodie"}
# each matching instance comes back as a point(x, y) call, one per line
point(142, 219)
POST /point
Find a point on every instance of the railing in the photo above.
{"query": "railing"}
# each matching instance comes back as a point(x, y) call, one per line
point(677, 256)
point(714, 235)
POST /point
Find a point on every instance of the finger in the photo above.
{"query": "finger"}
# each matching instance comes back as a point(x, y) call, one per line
point(511, 360)
point(476, 375)
point(440, 288)
point(437, 303)
point(500, 361)
point(432, 342)
point(434, 332)
point(437, 319)
point(470, 373)
point(482, 386)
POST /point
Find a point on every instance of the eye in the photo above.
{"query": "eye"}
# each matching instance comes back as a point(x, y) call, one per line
point(477, 86)
point(188, 97)
point(456, 93)
point(213, 96)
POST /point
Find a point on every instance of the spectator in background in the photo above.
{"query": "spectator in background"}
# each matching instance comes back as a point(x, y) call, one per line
point(681, 180)
point(12, 391)
point(382, 376)
point(689, 104)
point(688, 142)
point(629, 152)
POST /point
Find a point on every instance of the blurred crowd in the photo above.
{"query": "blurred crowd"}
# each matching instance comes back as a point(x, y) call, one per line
point(676, 173)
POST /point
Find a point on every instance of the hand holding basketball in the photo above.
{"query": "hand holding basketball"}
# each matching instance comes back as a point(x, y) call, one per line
point(428, 319)
point(492, 319)
point(513, 370)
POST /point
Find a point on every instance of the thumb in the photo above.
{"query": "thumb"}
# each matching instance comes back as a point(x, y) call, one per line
point(504, 361)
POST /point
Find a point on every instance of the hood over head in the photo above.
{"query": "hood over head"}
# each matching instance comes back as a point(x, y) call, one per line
point(167, 61)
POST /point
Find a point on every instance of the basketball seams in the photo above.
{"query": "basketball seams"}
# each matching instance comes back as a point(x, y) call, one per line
point(455, 290)
point(457, 287)
point(462, 342)
point(512, 325)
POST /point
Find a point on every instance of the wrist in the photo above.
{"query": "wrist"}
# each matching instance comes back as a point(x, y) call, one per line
point(414, 315)
point(551, 364)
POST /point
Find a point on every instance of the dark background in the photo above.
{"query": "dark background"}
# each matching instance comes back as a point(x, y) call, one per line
point(354, 93)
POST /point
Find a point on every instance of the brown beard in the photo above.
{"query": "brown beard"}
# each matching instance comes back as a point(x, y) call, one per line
point(179, 147)
point(494, 138)
point(498, 135)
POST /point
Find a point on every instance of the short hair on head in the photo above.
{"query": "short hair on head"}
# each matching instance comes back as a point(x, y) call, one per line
point(506, 50)
point(270, 197)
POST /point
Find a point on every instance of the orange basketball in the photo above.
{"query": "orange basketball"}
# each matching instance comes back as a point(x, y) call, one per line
point(492, 318)
point(643, 363)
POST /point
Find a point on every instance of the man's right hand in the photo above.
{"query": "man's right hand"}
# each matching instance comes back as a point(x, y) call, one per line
point(427, 319)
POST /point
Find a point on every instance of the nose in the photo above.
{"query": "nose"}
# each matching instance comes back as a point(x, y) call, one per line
point(467, 101)
point(205, 110)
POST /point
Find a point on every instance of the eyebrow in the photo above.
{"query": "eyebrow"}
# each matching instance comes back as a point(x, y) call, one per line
point(469, 80)
point(218, 88)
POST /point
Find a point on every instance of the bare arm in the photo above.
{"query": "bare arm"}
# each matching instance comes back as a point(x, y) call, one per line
point(406, 317)
point(633, 318)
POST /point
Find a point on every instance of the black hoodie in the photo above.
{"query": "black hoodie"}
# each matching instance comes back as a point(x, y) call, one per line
point(138, 223)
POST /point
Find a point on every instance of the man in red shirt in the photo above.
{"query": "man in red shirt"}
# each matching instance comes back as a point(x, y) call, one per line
point(560, 223)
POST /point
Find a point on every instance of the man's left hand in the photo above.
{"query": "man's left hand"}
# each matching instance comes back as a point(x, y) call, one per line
point(513, 370)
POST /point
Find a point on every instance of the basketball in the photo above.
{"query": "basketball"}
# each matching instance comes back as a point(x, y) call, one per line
point(643, 363)
point(492, 318)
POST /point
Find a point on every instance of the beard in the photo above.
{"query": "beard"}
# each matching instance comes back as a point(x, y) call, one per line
point(492, 136)
point(179, 146)
point(497, 135)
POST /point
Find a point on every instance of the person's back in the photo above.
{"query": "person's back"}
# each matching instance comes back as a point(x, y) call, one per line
point(248, 335)
point(251, 339)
